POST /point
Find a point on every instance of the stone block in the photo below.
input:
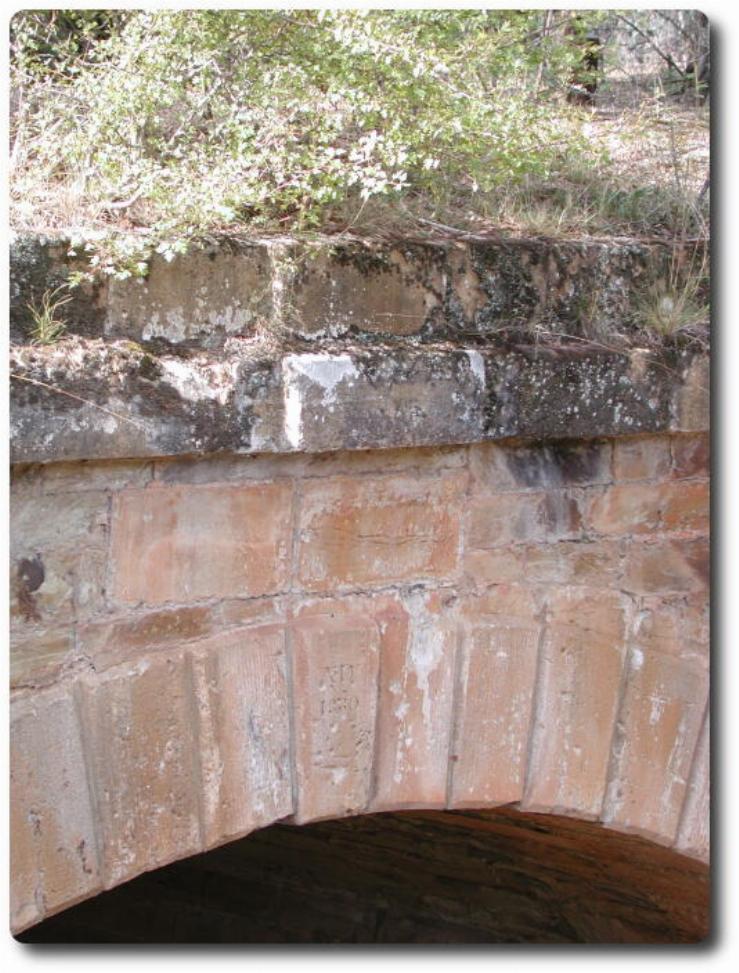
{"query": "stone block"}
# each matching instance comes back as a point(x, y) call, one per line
point(335, 660)
point(140, 726)
point(115, 641)
point(240, 685)
point(685, 506)
point(659, 565)
point(694, 832)
point(37, 657)
point(495, 697)
point(642, 458)
point(625, 508)
point(691, 455)
point(551, 466)
point(203, 296)
point(58, 548)
point(393, 292)
point(517, 518)
point(414, 721)
point(53, 844)
point(659, 723)
point(185, 543)
point(355, 532)
point(577, 700)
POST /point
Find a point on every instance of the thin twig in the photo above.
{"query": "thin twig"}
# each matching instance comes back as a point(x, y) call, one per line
point(71, 395)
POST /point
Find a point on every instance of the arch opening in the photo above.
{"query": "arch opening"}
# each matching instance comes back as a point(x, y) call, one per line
point(422, 876)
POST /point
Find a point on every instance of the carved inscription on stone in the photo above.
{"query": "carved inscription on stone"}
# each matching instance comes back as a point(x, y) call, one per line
point(335, 670)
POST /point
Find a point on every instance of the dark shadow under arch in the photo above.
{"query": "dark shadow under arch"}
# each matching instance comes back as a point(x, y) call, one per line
point(492, 876)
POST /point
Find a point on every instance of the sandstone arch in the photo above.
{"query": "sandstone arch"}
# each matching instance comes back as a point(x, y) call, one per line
point(463, 628)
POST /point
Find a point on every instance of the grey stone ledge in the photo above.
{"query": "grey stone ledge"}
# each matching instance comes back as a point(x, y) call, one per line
point(94, 399)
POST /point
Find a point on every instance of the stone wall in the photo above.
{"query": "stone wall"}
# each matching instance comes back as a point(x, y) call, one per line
point(301, 533)
point(202, 646)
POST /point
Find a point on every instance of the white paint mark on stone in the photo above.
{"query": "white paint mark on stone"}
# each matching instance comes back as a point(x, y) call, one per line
point(477, 366)
point(325, 371)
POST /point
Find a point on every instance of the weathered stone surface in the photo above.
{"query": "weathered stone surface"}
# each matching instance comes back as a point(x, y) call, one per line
point(85, 399)
point(240, 685)
point(53, 844)
point(139, 722)
point(177, 544)
point(663, 565)
point(58, 547)
point(658, 726)
point(577, 702)
point(335, 660)
point(114, 641)
point(414, 722)
point(200, 299)
point(694, 834)
point(375, 531)
point(691, 455)
point(38, 656)
point(641, 458)
point(495, 697)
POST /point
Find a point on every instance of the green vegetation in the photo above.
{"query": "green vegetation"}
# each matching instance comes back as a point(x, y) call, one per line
point(158, 128)
point(47, 328)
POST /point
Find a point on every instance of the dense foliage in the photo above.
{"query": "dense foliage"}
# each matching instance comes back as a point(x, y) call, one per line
point(273, 117)
point(175, 124)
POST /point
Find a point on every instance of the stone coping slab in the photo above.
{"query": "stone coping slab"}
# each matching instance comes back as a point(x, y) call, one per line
point(91, 398)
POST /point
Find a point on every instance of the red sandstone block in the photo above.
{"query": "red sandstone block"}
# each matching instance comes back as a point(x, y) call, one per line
point(625, 508)
point(240, 685)
point(120, 640)
point(577, 700)
point(502, 565)
point(53, 849)
point(184, 543)
point(496, 689)
point(356, 532)
point(516, 518)
point(63, 540)
point(694, 837)
point(685, 506)
point(645, 458)
point(589, 563)
point(139, 722)
point(335, 656)
point(667, 565)
point(675, 625)
point(691, 455)
point(418, 645)
point(659, 722)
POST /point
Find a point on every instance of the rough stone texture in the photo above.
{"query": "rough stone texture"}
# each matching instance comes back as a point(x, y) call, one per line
point(144, 765)
point(254, 638)
point(577, 702)
point(694, 835)
point(659, 722)
point(378, 531)
point(335, 657)
point(54, 851)
point(176, 545)
point(496, 695)
point(339, 286)
point(83, 399)
point(240, 683)
point(414, 725)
